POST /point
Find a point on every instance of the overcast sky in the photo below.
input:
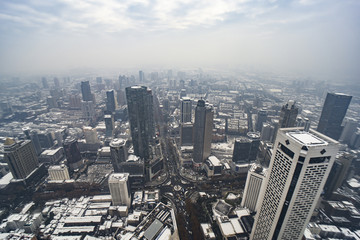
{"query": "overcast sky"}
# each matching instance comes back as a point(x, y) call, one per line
point(312, 37)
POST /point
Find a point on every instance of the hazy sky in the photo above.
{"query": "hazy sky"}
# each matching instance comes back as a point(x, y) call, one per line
point(314, 37)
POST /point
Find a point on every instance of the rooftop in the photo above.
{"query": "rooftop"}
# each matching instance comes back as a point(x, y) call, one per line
point(118, 177)
point(306, 138)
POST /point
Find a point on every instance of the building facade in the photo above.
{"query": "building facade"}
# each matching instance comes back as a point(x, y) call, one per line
point(59, 172)
point(333, 113)
point(288, 115)
point(255, 178)
point(299, 167)
point(86, 91)
point(119, 153)
point(141, 118)
point(261, 118)
point(111, 103)
point(20, 157)
point(185, 110)
point(109, 125)
point(72, 153)
point(120, 189)
point(245, 149)
point(203, 126)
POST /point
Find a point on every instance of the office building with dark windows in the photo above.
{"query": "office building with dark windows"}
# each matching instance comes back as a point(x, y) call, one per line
point(333, 113)
point(141, 118)
point(203, 126)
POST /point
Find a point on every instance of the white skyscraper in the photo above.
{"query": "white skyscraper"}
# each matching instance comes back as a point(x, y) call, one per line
point(299, 167)
point(119, 189)
point(254, 181)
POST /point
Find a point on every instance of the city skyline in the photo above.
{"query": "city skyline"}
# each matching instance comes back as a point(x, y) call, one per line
point(213, 155)
point(312, 38)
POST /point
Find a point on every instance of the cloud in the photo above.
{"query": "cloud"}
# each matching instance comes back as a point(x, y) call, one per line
point(117, 16)
point(41, 35)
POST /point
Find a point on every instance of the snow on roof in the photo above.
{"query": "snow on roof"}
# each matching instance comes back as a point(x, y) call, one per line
point(306, 138)
point(236, 225)
point(227, 229)
point(214, 160)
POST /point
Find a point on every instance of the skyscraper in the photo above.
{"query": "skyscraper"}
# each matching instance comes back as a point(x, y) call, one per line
point(119, 153)
point(90, 135)
point(120, 189)
point(338, 173)
point(86, 92)
point(88, 111)
point(33, 136)
point(20, 157)
point(333, 113)
point(111, 103)
point(56, 82)
point(255, 178)
point(141, 118)
point(141, 76)
point(72, 153)
point(44, 82)
point(288, 115)
point(245, 149)
point(185, 109)
point(299, 167)
point(350, 128)
point(203, 126)
point(261, 118)
point(109, 125)
point(186, 134)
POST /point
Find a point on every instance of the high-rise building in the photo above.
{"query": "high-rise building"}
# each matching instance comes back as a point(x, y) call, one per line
point(88, 110)
point(59, 172)
point(288, 115)
point(355, 140)
point(186, 134)
point(111, 103)
point(33, 136)
point(99, 80)
point(299, 167)
point(350, 128)
point(44, 82)
point(261, 118)
point(72, 153)
point(120, 189)
point(333, 113)
point(255, 178)
point(185, 109)
point(20, 157)
point(203, 126)
point(56, 82)
point(86, 91)
point(119, 153)
point(74, 101)
point(109, 125)
point(338, 173)
point(141, 76)
point(245, 149)
point(267, 131)
point(141, 118)
point(90, 135)
point(45, 139)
